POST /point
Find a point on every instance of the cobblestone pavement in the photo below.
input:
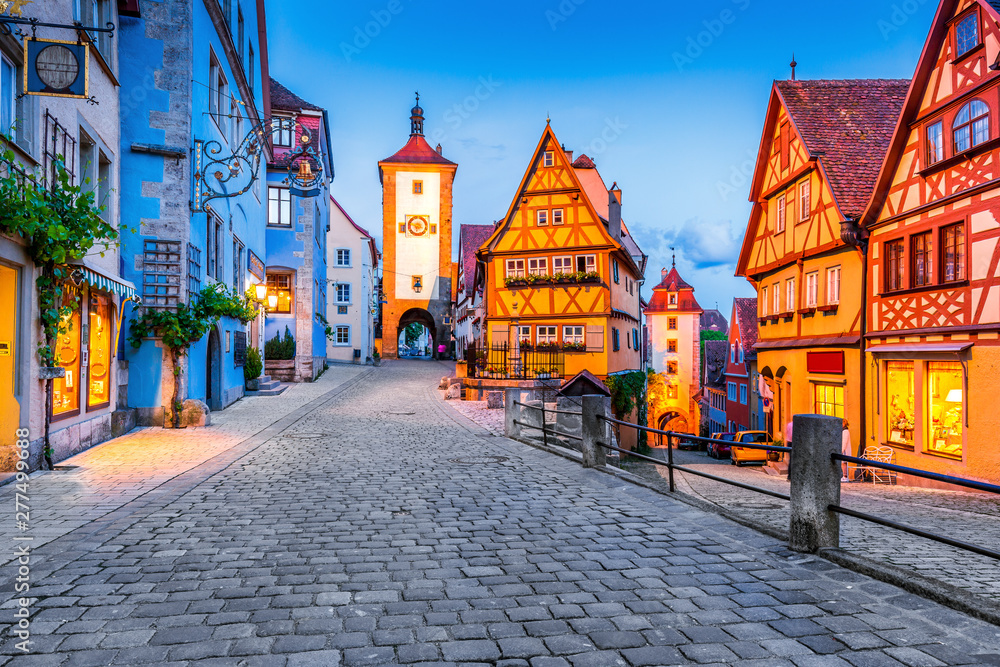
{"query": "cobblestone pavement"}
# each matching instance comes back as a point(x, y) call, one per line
point(971, 517)
point(374, 529)
point(116, 472)
point(490, 419)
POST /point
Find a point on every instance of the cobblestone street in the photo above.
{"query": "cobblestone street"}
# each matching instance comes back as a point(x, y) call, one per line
point(370, 523)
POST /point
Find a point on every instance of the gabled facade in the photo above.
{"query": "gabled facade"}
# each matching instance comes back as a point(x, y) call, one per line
point(740, 372)
point(353, 261)
point(820, 151)
point(297, 230)
point(417, 185)
point(713, 402)
point(934, 241)
point(561, 269)
point(468, 294)
point(673, 320)
point(193, 71)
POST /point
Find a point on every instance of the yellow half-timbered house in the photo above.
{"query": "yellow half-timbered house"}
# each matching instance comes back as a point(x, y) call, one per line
point(561, 270)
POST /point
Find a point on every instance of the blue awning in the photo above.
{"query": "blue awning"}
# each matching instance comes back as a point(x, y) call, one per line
point(101, 280)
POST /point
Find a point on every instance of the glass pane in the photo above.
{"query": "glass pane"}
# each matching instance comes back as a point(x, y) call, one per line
point(944, 402)
point(962, 139)
point(66, 391)
point(7, 88)
point(900, 414)
point(100, 351)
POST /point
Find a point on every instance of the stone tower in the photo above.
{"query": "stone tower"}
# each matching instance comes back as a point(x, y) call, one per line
point(416, 227)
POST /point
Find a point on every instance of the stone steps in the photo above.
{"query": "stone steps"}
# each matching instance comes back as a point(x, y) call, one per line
point(268, 387)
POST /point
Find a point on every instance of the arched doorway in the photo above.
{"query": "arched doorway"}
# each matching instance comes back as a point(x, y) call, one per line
point(675, 422)
point(213, 371)
point(426, 320)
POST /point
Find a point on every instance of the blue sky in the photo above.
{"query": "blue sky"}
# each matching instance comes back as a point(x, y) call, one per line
point(668, 98)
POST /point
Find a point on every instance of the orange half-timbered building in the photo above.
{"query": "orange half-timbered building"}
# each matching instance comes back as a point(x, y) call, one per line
point(933, 341)
point(820, 152)
point(562, 271)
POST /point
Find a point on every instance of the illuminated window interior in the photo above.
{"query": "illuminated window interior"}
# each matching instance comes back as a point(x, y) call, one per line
point(829, 400)
point(280, 285)
point(66, 390)
point(99, 391)
point(900, 414)
point(944, 403)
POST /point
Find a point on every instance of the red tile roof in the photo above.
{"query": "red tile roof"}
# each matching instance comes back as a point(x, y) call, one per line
point(746, 313)
point(584, 162)
point(418, 151)
point(847, 124)
point(286, 100)
point(672, 282)
point(472, 237)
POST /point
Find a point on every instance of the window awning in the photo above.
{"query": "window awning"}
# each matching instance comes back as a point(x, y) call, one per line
point(102, 280)
point(921, 348)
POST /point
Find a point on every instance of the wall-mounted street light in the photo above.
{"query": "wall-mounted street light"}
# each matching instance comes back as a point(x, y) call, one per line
point(272, 301)
point(260, 289)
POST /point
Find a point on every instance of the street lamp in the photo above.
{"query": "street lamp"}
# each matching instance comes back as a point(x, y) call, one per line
point(272, 301)
point(260, 290)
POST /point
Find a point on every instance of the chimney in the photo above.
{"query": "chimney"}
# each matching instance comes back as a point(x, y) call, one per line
point(438, 149)
point(569, 155)
point(615, 212)
point(663, 273)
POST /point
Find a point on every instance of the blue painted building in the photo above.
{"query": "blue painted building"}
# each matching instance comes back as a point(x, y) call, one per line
point(193, 73)
point(297, 226)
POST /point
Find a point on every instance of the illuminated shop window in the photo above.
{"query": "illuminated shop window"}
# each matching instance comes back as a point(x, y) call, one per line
point(280, 286)
point(829, 400)
point(945, 407)
point(66, 390)
point(99, 381)
point(899, 396)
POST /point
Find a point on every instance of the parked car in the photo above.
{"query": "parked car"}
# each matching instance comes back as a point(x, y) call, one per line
point(720, 450)
point(684, 443)
point(740, 455)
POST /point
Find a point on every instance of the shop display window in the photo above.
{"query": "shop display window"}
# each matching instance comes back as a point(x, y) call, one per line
point(945, 406)
point(99, 381)
point(66, 390)
point(899, 400)
point(828, 399)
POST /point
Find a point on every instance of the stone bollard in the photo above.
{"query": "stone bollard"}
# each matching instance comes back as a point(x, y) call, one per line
point(494, 400)
point(532, 420)
point(566, 423)
point(512, 413)
point(594, 431)
point(815, 483)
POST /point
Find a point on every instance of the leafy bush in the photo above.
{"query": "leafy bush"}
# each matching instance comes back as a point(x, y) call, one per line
point(280, 349)
point(254, 364)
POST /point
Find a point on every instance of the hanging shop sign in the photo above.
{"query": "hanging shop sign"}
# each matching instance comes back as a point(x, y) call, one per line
point(56, 68)
point(255, 265)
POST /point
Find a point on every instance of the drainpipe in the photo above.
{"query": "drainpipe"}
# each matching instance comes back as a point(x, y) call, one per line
point(852, 234)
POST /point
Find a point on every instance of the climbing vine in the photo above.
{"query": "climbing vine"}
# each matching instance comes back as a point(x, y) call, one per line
point(628, 393)
point(186, 324)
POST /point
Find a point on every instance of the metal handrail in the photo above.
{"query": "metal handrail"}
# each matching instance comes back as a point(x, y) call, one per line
point(548, 430)
point(544, 409)
point(948, 479)
point(698, 438)
point(915, 531)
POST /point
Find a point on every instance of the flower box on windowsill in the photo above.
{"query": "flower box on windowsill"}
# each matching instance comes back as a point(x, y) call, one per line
point(831, 308)
point(574, 347)
point(807, 311)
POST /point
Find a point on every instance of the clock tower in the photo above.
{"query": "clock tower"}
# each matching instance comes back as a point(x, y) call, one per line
point(416, 238)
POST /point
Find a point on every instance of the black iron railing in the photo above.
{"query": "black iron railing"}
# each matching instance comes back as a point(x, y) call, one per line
point(544, 428)
point(503, 362)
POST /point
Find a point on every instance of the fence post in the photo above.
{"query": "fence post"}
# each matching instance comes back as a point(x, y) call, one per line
point(512, 413)
point(815, 483)
point(670, 460)
point(593, 430)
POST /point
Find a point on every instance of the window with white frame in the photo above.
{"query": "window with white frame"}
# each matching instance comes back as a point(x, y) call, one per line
point(743, 394)
point(790, 299)
point(343, 292)
point(546, 335)
point(779, 225)
point(524, 334)
point(279, 206)
point(538, 266)
point(343, 334)
point(805, 201)
point(586, 263)
point(573, 334)
point(343, 257)
point(763, 301)
point(562, 265)
point(776, 290)
point(833, 285)
point(542, 217)
point(557, 216)
point(812, 289)
point(515, 268)
point(549, 158)
point(218, 95)
point(281, 132)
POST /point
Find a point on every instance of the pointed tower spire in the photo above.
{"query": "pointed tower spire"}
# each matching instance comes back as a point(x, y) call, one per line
point(417, 119)
point(673, 258)
point(793, 65)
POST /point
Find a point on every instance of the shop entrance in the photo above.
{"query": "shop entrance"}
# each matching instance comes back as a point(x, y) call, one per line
point(10, 410)
point(213, 372)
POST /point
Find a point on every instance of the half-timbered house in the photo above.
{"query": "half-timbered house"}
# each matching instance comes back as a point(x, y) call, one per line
point(933, 283)
point(821, 149)
point(562, 271)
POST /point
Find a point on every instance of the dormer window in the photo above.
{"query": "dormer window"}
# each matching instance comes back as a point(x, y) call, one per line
point(967, 34)
point(673, 299)
point(972, 125)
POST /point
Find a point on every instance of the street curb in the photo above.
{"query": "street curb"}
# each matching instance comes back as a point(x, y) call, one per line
point(912, 582)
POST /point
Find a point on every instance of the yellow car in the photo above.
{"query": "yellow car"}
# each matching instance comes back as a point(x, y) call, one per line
point(740, 455)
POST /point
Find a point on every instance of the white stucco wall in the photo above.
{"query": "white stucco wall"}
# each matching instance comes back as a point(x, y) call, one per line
point(417, 256)
point(361, 276)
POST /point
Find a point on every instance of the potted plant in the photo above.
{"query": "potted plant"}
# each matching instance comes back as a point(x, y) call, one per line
point(376, 358)
point(574, 347)
point(252, 368)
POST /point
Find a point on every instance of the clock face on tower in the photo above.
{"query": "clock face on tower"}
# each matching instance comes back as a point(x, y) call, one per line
point(416, 226)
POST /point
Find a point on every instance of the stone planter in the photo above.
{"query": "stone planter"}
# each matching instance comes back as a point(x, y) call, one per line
point(282, 370)
point(253, 384)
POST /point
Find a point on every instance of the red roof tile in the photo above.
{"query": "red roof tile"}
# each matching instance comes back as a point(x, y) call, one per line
point(286, 100)
point(848, 125)
point(472, 237)
point(584, 162)
point(418, 151)
point(746, 313)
